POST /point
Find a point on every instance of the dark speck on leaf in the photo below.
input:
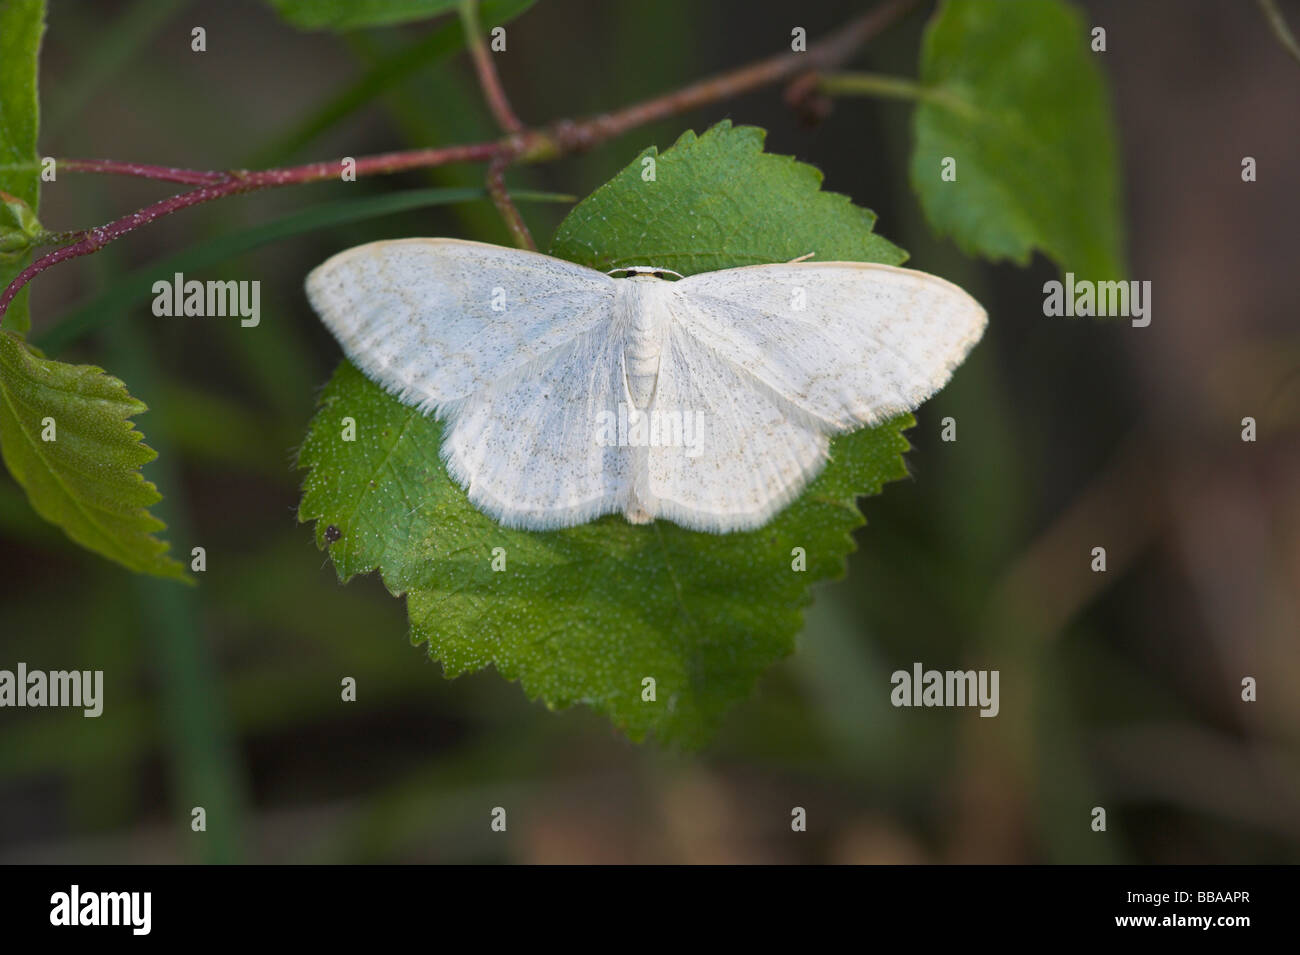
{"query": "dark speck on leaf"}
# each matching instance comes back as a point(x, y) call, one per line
point(332, 533)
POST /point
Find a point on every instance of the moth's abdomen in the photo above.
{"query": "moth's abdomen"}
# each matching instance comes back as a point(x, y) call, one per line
point(643, 314)
point(641, 364)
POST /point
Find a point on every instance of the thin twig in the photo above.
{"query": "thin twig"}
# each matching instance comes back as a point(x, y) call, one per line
point(559, 139)
point(235, 183)
point(887, 86)
point(495, 95)
point(831, 52)
point(113, 167)
point(488, 79)
point(496, 187)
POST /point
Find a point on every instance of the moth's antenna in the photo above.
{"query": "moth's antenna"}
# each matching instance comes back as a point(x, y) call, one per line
point(802, 258)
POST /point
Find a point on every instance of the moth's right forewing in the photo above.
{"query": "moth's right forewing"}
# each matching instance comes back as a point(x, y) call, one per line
point(434, 321)
point(848, 343)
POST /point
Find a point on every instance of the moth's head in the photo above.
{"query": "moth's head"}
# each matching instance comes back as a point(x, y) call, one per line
point(648, 271)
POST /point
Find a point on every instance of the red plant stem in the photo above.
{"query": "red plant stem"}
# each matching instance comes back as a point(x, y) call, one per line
point(561, 138)
point(237, 182)
point(488, 79)
point(496, 187)
point(832, 51)
point(113, 167)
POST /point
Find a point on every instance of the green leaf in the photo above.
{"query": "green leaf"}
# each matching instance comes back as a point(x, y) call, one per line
point(19, 228)
point(21, 24)
point(1035, 152)
point(585, 614)
point(699, 218)
point(353, 14)
point(66, 438)
point(64, 429)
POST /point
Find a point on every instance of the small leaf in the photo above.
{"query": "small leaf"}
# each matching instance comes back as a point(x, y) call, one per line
point(353, 14)
point(586, 614)
point(19, 228)
point(21, 25)
point(1036, 160)
point(66, 438)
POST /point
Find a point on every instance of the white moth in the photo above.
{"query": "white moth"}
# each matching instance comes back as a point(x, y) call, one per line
point(568, 393)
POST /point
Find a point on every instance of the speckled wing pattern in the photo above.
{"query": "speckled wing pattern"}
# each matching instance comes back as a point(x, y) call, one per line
point(522, 354)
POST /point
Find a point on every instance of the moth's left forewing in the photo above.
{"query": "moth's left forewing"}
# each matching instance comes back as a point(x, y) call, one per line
point(847, 343)
point(436, 321)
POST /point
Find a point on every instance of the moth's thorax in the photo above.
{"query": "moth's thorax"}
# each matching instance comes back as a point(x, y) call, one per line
point(640, 316)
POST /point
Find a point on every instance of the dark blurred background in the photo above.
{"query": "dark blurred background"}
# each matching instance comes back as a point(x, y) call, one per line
point(1120, 690)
